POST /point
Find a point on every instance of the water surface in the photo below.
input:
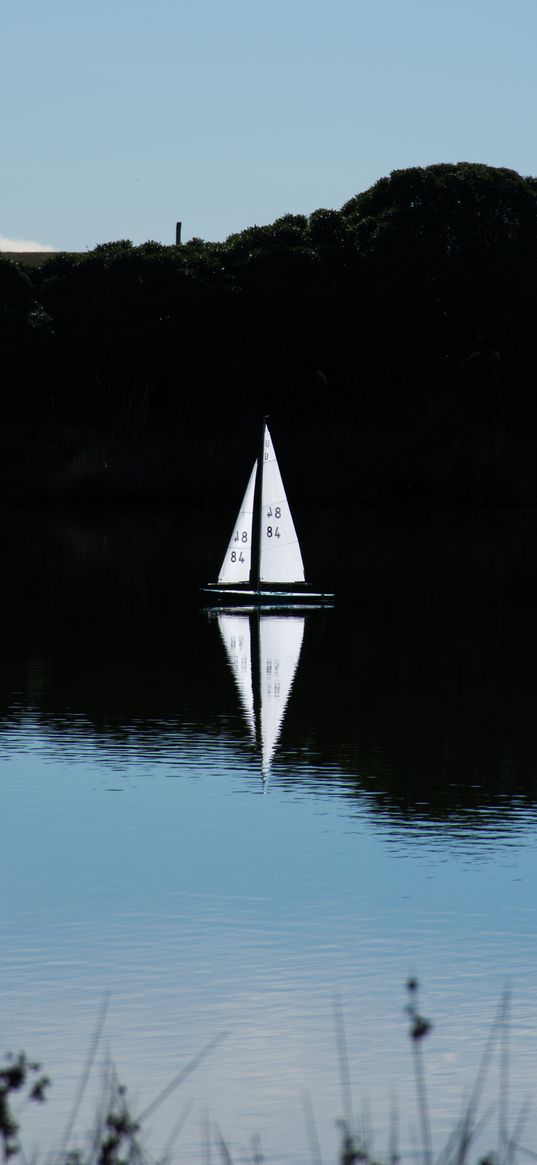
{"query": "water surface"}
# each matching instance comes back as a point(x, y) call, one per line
point(152, 856)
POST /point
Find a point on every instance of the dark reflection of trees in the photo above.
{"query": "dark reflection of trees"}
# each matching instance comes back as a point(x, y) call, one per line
point(433, 710)
point(101, 624)
point(417, 692)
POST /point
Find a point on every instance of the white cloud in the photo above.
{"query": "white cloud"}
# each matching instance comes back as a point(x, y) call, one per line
point(22, 245)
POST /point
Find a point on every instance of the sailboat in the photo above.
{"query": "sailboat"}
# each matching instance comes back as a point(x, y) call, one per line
point(263, 650)
point(263, 563)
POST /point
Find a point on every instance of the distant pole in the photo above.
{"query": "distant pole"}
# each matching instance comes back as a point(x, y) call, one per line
point(178, 226)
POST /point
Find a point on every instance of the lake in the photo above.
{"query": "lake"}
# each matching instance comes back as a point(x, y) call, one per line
point(202, 875)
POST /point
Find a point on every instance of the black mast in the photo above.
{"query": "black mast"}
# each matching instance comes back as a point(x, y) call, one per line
point(255, 561)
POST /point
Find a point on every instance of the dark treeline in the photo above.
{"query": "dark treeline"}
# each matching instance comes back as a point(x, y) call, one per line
point(393, 342)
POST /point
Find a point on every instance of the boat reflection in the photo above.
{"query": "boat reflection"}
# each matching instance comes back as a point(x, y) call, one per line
point(263, 650)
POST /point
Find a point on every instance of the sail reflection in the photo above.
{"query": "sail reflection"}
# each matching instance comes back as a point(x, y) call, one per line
point(263, 650)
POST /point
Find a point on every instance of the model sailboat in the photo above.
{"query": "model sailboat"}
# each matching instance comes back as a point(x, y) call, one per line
point(263, 563)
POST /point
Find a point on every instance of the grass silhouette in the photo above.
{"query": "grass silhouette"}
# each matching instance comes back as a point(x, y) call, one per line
point(117, 1136)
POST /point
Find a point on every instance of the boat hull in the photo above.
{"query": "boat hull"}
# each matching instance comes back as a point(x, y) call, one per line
point(266, 597)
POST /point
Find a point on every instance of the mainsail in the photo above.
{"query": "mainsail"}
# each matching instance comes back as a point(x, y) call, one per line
point(280, 557)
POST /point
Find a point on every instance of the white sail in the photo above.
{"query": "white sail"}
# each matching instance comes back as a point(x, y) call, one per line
point(280, 641)
point(235, 632)
point(236, 564)
point(281, 560)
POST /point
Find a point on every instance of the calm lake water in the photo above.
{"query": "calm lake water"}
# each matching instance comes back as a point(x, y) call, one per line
point(212, 856)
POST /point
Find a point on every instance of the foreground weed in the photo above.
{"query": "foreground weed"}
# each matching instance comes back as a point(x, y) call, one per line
point(23, 1077)
point(116, 1138)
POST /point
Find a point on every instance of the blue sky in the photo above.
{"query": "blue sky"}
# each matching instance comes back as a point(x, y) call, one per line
point(121, 116)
